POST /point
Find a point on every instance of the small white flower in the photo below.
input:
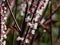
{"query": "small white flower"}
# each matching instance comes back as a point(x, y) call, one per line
point(5, 8)
point(20, 38)
point(5, 28)
point(33, 9)
point(1, 39)
point(3, 31)
point(3, 4)
point(4, 43)
point(2, 22)
point(5, 36)
point(5, 18)
point(1, 10)
point(2, 26)
point(33, 32)
point(44, 30)
point(29, 24)
point(42, 21)
point(23, 6)
point(22, 14)
point(5, 12)
point(37, 17)
point(29, 2)
point(3, 0)
point(28, 19)
point(26, 41)
point(28, 12)
point(35, 25)
point(40, 11)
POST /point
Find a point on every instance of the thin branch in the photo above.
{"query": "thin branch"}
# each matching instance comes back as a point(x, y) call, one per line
point(11, 27)
point(13, 17)
point(54, 9)
point(49, 21)
point(53, 12)
point(16, 1)
point(44, 25)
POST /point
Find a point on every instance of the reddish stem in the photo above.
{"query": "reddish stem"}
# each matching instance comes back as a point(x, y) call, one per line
point(12, 28)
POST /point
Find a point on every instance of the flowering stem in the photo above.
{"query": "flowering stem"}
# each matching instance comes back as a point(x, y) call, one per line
point(24, 23)
point(31, 19)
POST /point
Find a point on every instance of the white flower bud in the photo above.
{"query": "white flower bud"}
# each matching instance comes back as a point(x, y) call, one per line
point(33, 9)
point(5, 18)
point(22, 13)
point(33, 32)
point(35, 25)
point(37, 17)
point(5, 27)
point(2, 22)
point(5, 36)
point(2, 26)
point(20, 38)
point(27, 19)
point(26, 41)
point(1, 39)
point(23, 6)
point(1, 10)
point(4, 43)
point(40, 11)
point(3, 4)
point(3, 0)
point(5, 8)
point(29, 3)
point(29, 24)
point(28, 11)
point(42, 21)
point(5, 12)
point(44, 30)
point(3, 31)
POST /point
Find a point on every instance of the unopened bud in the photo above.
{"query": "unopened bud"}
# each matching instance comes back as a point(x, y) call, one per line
point(26, 41)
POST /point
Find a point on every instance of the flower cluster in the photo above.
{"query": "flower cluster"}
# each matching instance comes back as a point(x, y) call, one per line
point(33, 22)
point(3, 21)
